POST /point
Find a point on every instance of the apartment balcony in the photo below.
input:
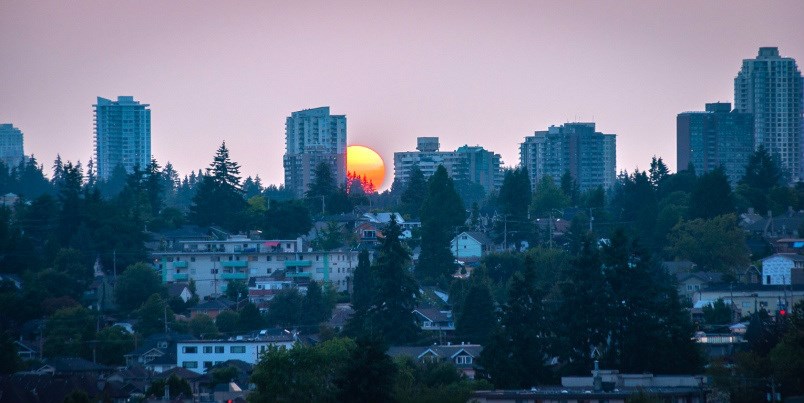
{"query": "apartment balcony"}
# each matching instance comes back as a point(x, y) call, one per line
point(298, 263)
point(180, 264)
point(180, 277)
point(234, 263)
point(300, 274)
point(234, 276)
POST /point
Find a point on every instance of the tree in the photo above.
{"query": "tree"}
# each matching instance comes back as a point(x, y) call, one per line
point(368, 375)
point(178, 388)
point(583, 315)
point(301, 374)
point(219, 198)
point(135, 285)
point(658, 171)
point(391, 313)
point(515, 198)
point(718, 313)
point(712, 196)
point(285, 308)
point(10, 362)
point(314, 309)
point(68, 333)
point(152, 316)
point(415, 191)
point(286, 220)
point(203, 327)
point(516, 355)
point(237, 290)
point(548, 197)
point(570, 188)
point(227, 322)
point(763, 171)
point(476, 319)
point(714, 245)
point(250, 318)
point(113, 343)
point(442, 211)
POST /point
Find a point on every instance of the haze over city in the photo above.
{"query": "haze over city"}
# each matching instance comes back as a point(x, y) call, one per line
point(478, 74)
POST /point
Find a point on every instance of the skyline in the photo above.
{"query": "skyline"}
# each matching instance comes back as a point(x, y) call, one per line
point(464, 73)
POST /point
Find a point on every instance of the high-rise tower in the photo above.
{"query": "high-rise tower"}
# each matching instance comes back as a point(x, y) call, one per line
point(770, 88)
point(11, 153)
point(122, 135)
point(312, 137)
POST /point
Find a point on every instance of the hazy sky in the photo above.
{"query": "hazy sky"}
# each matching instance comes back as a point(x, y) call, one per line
point(472, 72)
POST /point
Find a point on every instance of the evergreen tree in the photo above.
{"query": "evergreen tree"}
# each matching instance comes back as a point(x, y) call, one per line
point(476, 318)
point(391, 314)
point(584, 311)
point(368, 376)
point(219, 199)
point(712, 196)
point(362, 294)
point(658, 171)
point(313, 307)
point(151, 316)
point(570, 188)
point(415, 191)
point(135, 285)
point(250, 318)
point(441, 214)
point(517, 354)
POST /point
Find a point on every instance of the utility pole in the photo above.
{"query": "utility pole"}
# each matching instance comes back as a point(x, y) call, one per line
point(591, 219)
point(114, 266)
point(505, 232)
point(164, 308)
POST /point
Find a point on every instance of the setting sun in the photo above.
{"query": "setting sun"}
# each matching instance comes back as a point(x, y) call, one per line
point(365, 162)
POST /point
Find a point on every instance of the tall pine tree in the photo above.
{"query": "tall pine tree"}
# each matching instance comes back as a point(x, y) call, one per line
point(442, 213)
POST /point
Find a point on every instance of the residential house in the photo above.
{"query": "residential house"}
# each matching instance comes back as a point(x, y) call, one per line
point(73, 365)
point(26, 350)
point(200, 355)
point(789, 245)
point(179, 290)
point(471, 245)
point(612, 387)
point(691, 283)
point(749, 298)
point(262, 289)
point(433, 319)
point(461, 355)
point(783, 269)
point(157, 352)
point(212, 308)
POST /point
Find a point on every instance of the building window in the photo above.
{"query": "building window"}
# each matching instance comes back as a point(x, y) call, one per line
point(218, 349)
point(189, 349)
point(207, 349)
point(237, 349)
point(207, 364)
point(463, 359)
point(189, 364)
point(192, 258)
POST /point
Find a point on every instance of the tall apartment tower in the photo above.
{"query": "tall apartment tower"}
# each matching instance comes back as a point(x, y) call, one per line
point(589, 156)
point(11, 152)
point(313, 136)
point(714, 138)
point(122, 135)
point(770, 88)
point(467, 163)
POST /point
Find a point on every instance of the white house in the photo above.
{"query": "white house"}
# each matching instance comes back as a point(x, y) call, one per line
point(779, 268)
point(467, 245)
point(200, 355)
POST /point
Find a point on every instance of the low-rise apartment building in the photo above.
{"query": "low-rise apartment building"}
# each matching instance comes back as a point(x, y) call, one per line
point(212, 264)
point(200, 355)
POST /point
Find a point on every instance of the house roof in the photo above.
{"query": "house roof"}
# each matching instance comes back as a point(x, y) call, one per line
point(181, 372)
point(175, 289)
point(680, 266)
point(432, 314)
point(480, 237)
point(215, 304)
point(440, 350)
point(792, 256)
point(74, 364)
point(705, 276)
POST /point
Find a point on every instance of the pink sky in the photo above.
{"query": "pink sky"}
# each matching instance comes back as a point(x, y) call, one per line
point(479, 73)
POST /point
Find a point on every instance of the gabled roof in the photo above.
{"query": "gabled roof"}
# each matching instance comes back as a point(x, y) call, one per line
point(432, 314)
point(792, 256)
point(72, 365)
point(705, 276)
point(181, 372)
point(215, 304)
point(480, 237)
point(176, 289)
point(440, 350)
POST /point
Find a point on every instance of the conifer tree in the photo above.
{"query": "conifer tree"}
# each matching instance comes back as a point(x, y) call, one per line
point(442, 212)
point(415, 191)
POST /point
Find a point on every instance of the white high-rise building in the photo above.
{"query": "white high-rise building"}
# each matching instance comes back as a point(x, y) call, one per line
point(589, 156)
point(313, 136)
point(467, 163)
point(770, 88)
point(11, 152)
point(122, 135)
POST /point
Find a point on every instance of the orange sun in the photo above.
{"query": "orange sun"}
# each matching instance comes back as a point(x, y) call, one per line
point(364, 162)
